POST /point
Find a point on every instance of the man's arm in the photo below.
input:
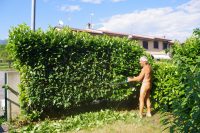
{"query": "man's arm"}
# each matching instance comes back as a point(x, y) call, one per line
point(138, 78)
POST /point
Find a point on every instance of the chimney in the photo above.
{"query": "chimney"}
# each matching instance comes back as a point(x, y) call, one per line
point(89, 26)
point(130, 36)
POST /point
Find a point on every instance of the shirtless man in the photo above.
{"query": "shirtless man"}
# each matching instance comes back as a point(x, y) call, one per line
point(145, 77)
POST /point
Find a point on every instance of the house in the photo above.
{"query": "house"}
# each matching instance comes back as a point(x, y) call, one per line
point(155, 46)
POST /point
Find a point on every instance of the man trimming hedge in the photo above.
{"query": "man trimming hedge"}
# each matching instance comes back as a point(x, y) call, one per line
point(145, 76)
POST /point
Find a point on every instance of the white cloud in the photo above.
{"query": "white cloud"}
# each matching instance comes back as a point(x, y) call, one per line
point(117, 0)
point(192, 6)
point(93, 1)
point(173, 23)
point(70, 8)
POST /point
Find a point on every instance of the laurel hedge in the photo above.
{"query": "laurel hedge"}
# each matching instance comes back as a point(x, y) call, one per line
point(165, 85)
point(65, 69)
point(186, 107)
point(176, 86)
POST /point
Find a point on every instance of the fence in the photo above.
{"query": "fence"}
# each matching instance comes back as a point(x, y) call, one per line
point(9, 96)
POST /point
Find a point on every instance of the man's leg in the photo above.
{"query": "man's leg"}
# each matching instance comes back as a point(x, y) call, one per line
point(148, 103)
point(141, 99)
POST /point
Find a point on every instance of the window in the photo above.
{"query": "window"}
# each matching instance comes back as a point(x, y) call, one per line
point(155, 44)
point(165, 45)
point(145, 44)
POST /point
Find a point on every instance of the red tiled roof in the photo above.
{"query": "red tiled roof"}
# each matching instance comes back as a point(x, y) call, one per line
point(130, 36)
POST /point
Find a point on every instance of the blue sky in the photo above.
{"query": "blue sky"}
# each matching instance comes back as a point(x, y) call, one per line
point(174, 19)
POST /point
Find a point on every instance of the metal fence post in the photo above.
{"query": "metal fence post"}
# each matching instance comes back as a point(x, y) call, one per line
point(5, 90)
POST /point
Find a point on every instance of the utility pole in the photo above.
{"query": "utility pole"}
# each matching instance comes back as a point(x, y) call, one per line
point(33, 15)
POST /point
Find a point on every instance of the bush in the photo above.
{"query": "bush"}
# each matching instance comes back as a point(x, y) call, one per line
point(165, 85)
point(177, 85)
point(65, 69)
point(186, 107)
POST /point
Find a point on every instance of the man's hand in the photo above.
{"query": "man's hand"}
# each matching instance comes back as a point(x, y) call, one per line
point(130, 79)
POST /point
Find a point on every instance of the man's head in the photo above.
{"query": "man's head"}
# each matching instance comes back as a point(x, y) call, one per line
point(143, 60)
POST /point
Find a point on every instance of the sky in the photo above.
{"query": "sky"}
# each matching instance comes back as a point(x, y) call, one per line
point(174, 19)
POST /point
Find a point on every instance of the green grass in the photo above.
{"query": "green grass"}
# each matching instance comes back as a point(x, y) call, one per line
point(104, 121)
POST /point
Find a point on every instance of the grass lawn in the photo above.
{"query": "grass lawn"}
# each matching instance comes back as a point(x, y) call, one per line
point(144, 125)
point(105, 121)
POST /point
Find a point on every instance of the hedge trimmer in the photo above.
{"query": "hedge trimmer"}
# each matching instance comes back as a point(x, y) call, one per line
point(117, 83)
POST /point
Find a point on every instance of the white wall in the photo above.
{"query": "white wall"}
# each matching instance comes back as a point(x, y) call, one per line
point(151, 46)
point(13, 95)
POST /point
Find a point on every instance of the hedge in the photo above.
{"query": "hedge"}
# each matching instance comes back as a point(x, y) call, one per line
point(186, 107)
point(177, 85)
point(165, 85)
point(65, 69)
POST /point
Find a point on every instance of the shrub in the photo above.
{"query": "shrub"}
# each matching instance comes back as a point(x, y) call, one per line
point(177, 85)
point(165, 85)
point(65, 69)
point(186, 106)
